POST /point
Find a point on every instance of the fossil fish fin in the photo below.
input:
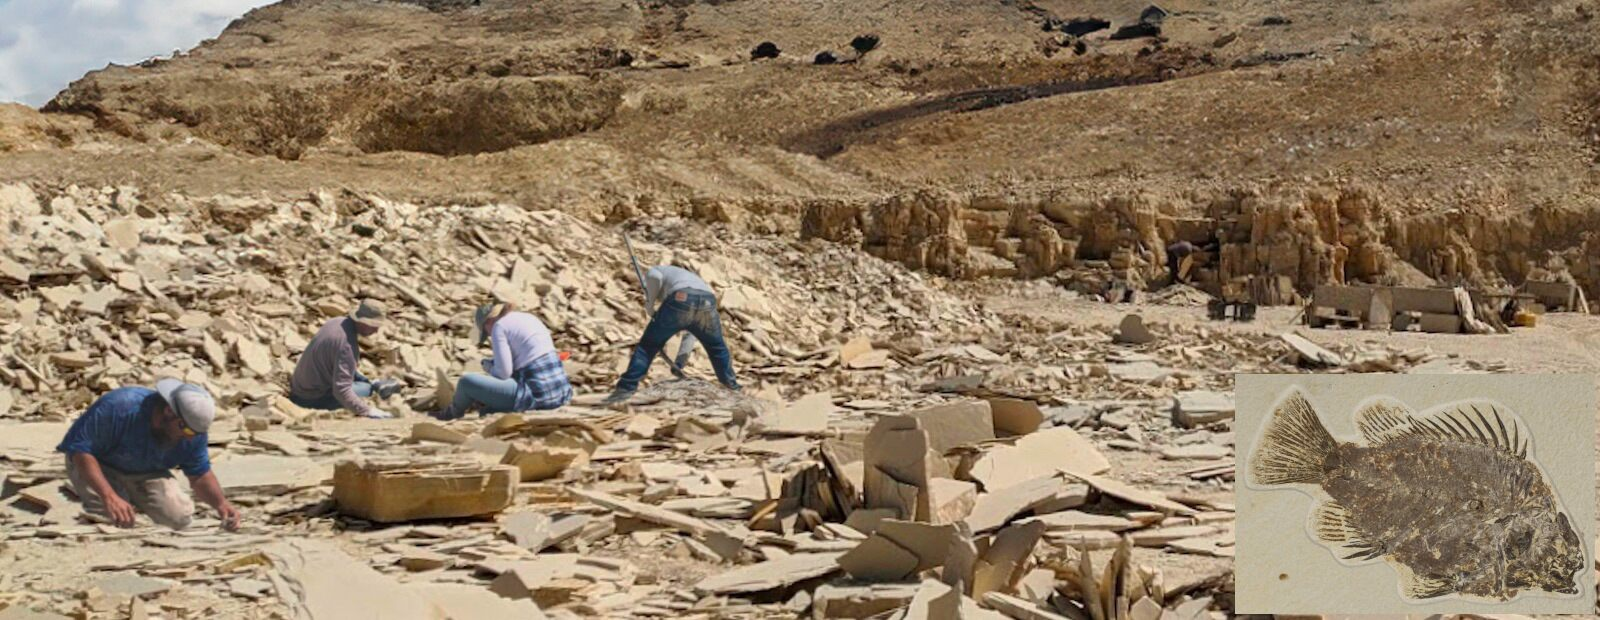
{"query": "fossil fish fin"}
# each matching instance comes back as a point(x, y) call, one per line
point(1383, 421)
point(1331, 522)
point(1479, 423)
point(1294, 446)
point(1423, 586)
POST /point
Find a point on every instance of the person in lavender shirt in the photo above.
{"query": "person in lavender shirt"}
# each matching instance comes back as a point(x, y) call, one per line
point(524, 374)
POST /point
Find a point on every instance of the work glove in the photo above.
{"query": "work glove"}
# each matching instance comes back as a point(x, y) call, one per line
point(378, 414)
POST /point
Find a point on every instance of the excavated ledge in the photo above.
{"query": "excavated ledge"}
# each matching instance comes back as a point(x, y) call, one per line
point(1272, 246)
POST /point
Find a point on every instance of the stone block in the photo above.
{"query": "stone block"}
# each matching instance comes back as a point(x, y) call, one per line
point(1434, 300)
point(898, 465)
point(392, 493)
point(1195, 408)
point(1352, 300)
point(956, 424)
point(1372, 305)
point(1559, 295)
point(1435, 323)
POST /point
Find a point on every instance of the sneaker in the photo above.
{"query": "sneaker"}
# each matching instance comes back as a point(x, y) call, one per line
point(385, 388)
point(617, 397)
point(444, 415)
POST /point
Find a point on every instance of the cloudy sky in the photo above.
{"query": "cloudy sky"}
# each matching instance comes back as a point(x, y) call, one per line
point(44, 44)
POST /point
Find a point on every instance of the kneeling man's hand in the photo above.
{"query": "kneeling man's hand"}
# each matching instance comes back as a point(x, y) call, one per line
point(229, 516)
point(121, 511)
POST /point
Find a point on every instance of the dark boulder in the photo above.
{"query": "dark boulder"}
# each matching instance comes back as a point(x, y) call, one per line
point(1135, 31)
point(864, 43)
point(766, 49)
point(1080, 26)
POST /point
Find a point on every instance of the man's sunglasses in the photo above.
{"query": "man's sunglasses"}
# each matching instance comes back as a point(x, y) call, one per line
point(183, 426)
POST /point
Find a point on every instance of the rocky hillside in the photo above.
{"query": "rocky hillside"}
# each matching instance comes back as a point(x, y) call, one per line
point(1397, 141)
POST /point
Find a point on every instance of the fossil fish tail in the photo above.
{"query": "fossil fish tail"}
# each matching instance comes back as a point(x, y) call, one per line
point(1295, 446)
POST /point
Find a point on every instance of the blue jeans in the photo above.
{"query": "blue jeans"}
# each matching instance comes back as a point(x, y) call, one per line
point(491, 394)
point(696, 314)
point(540, 385)
point(361, 385)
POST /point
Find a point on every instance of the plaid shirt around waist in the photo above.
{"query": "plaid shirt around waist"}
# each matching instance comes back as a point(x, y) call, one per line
point(542, 384)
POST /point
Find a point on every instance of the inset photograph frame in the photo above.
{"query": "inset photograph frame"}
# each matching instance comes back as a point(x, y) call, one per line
point(1415, 494)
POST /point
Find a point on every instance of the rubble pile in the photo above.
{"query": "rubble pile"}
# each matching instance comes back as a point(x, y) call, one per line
point(99, 288)
point(898, 450)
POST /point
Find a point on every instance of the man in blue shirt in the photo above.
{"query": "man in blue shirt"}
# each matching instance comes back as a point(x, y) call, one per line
point(121, 452)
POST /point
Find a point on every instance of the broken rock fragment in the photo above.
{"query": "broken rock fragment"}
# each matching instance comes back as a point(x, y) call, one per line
point(996, 508)
point(1309, 354)
point(899, 465)
point(899, 550)
point(433, 431)
point(950, 500)
point(535, 461)
point(865, 601)
point(856, 347)
point(1124, 491)
point(807, 415)
point(125, 585)
point(1014, 416)
point(1132, 331)
point(879, 559)
point(680, 522)
point(472, 602)
point(1037, 455)
point(529, 530)
point(321, 581)
point(268, 474)
point(549, 578)
point(1019, 609)
point(1004, 563)
point(254, 356)
point(1203, 451)
point(72, 359)
point(755, 578)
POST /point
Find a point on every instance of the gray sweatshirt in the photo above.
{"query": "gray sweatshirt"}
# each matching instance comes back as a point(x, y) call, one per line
point(328, 366)
point(665, 280)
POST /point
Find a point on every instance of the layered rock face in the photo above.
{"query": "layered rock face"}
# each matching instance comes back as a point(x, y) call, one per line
point(1303, 238)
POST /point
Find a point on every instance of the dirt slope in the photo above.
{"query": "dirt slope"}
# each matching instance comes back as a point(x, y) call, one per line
point(613, 109)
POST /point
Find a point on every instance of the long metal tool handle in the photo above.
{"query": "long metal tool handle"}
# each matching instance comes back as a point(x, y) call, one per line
point(638, 273)
point(676, 372)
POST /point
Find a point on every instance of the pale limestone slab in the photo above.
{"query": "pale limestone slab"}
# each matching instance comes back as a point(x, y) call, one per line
point(1282, 569)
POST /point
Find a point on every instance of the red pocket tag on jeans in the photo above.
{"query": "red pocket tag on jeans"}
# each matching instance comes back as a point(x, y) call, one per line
point(681, 296)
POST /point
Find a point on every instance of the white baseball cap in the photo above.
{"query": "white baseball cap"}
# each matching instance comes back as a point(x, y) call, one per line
point(191, 402)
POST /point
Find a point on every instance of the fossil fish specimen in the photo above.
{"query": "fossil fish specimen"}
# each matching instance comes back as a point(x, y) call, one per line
point(1451, 499)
